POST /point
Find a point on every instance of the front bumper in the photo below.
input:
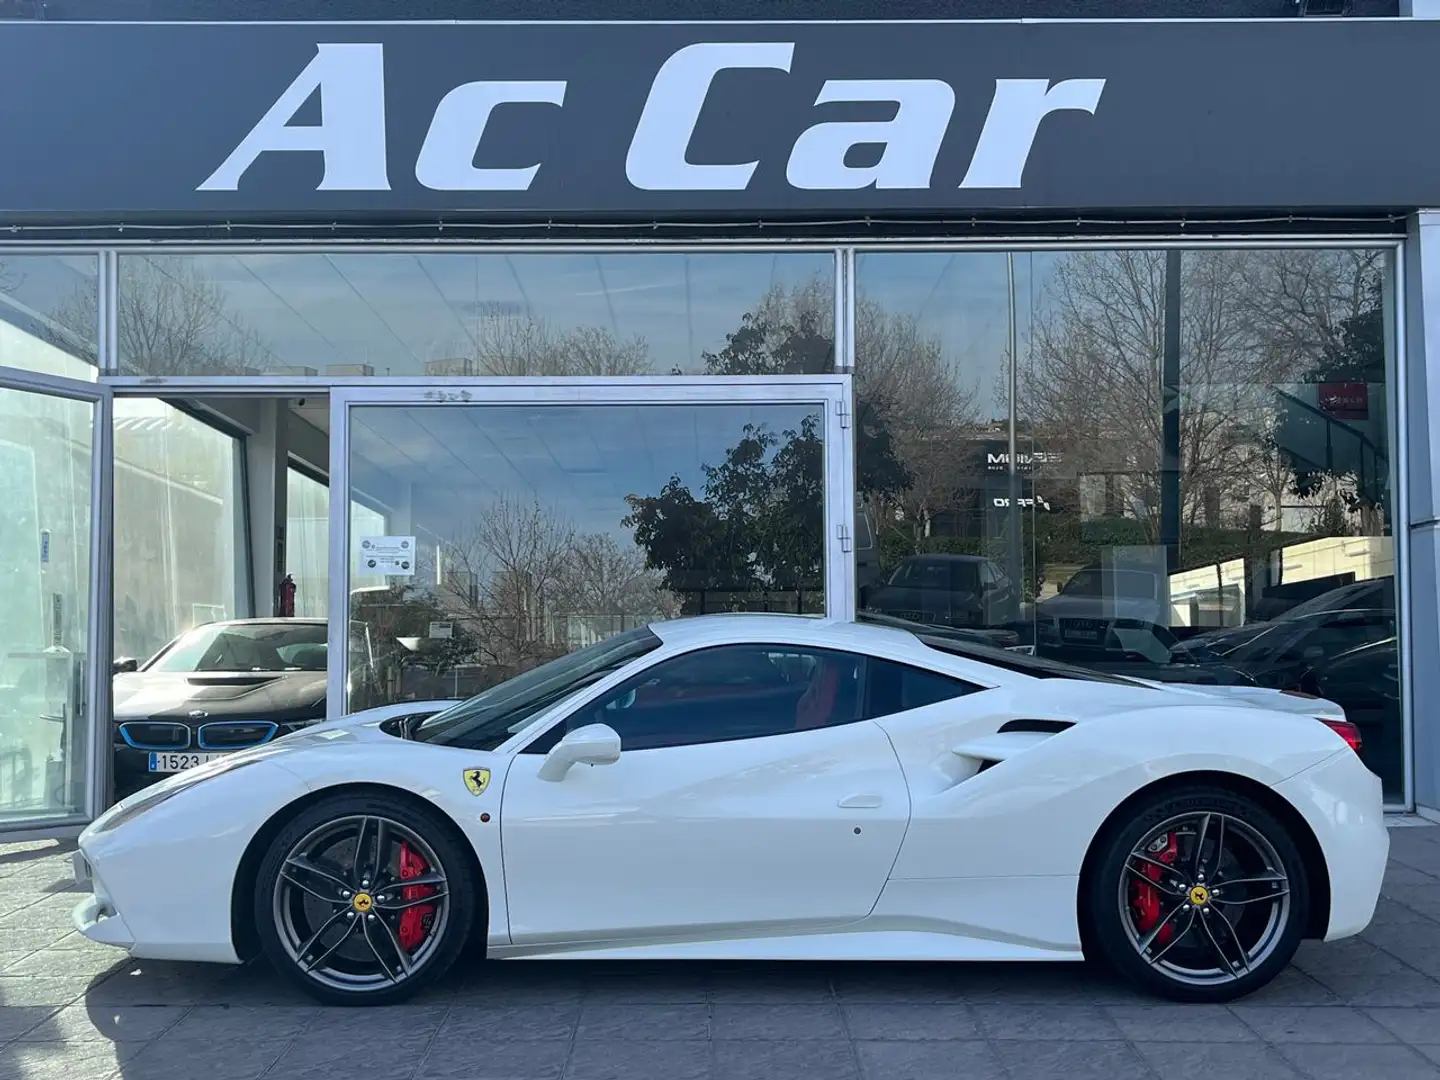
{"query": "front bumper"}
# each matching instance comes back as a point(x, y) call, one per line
point(95, 916)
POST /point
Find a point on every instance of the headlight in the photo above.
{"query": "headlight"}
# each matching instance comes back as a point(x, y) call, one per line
point(137, 804)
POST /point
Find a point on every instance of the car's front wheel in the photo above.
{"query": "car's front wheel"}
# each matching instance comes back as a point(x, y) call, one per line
point(364, 900)
point(1201, 895)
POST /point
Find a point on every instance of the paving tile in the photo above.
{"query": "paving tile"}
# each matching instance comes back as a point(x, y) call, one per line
point(1414, 1026)
point(385, 1052)
point(40, 989)
point(1401, 872)
point(928, 1060)
point(1045, 1060)
point(29, 940)
point(1311, 1024)
point(791, 1059)
point(16, 1020)
point(217, 1055)
point(878, 1022)
point(48, 914)
point(1080, 1023)
point(506, 1023)
point(453, 1059)
point(67, 963)
point(917, 983)
point(68, 1061)
point(1293, 987)
point(1233, 1061)
point(1385, 988)
point(1180, 1023)
point(1369, 1062)
point(733, 1020)
point(206, 1022)
point(610, 1059)
point(97, 1023)
point(627, 988)
point(642, 1023)
point(809, 983)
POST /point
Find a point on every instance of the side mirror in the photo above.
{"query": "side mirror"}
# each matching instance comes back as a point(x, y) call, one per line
point(595, 744)
point(124, 665)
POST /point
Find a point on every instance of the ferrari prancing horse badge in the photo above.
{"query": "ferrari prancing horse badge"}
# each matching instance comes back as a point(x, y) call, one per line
point(477, 780)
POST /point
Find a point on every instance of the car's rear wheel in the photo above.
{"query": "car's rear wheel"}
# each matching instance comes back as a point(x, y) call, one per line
point(364, 900)
point(1201, 895)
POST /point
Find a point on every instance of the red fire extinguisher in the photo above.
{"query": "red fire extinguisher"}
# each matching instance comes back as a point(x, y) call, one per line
point(287, 597)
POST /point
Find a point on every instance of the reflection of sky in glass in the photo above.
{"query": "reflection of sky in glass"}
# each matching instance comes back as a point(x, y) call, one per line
point(963, 300)
point(581, 461)
point(49, 303)
point(395, 312)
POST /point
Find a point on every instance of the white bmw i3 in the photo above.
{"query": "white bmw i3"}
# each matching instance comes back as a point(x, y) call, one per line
point(762, 786)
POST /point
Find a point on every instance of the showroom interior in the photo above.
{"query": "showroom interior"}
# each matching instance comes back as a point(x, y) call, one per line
point(1169, 461)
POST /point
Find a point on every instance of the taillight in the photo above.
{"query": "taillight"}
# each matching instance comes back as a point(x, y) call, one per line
point(1346, 730)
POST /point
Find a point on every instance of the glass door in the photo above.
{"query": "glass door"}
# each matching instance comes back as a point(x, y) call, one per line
point(491, 529)
point(53, 663)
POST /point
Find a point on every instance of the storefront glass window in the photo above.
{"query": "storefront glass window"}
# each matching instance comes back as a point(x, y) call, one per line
point(49, 314)
point(307, 541)
point(519, 533)
point(45, 489)
point(1199, 486)
point(180, 554)
point(447, 315)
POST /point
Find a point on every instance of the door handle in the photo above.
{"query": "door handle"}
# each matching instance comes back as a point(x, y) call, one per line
point(860, 802)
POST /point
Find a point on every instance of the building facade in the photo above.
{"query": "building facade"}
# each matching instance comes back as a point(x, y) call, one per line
point(1092, 333)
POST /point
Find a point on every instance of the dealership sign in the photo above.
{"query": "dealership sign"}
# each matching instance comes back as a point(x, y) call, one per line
point(248, 121)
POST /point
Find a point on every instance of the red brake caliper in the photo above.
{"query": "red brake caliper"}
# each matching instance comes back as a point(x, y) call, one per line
point(415, 922)
point(1145, 899)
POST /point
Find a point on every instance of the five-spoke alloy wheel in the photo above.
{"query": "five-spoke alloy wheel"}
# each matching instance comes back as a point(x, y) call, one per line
point(363, 900)
point(1201, 896)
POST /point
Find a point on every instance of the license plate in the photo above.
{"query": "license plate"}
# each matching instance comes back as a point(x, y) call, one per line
point(1081, 630)
point(177, 762)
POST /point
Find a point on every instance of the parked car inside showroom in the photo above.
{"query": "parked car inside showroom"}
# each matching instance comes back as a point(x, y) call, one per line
point(215, 689)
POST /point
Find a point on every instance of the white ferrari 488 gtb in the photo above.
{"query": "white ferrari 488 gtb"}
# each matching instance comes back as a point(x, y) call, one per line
point(764, 786)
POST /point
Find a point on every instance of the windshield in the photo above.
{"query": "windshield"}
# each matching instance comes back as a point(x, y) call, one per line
point(1377, 593)
point(922, 574)
point(1127, 583)
point(267, 646)
point(487, 720)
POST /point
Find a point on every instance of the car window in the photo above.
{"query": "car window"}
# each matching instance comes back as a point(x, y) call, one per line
point(892, 688)
point(725, 693)
point(487, 720)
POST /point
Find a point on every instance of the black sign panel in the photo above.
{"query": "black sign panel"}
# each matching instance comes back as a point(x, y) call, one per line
point(245, 121)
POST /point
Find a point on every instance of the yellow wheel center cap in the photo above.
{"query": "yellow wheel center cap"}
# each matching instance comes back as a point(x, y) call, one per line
point(363, 902)
point(1199, 896)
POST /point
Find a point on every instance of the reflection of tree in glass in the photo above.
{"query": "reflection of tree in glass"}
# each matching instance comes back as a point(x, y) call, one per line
point(172, 320)
point(759, 527)
point(1355, 478)
point(530, 587)
point(521, 346)
point(1250, 322)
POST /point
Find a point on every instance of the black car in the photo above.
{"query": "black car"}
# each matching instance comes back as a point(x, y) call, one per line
point(215, 689)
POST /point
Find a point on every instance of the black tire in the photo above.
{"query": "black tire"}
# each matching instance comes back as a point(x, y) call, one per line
point(288, 915)
point(1256, 927)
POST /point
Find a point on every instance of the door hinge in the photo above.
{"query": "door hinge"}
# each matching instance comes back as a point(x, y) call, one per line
point(843, 531)
point(844, 412)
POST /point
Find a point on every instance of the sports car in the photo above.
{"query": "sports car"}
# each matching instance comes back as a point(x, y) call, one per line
point(763, 786)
